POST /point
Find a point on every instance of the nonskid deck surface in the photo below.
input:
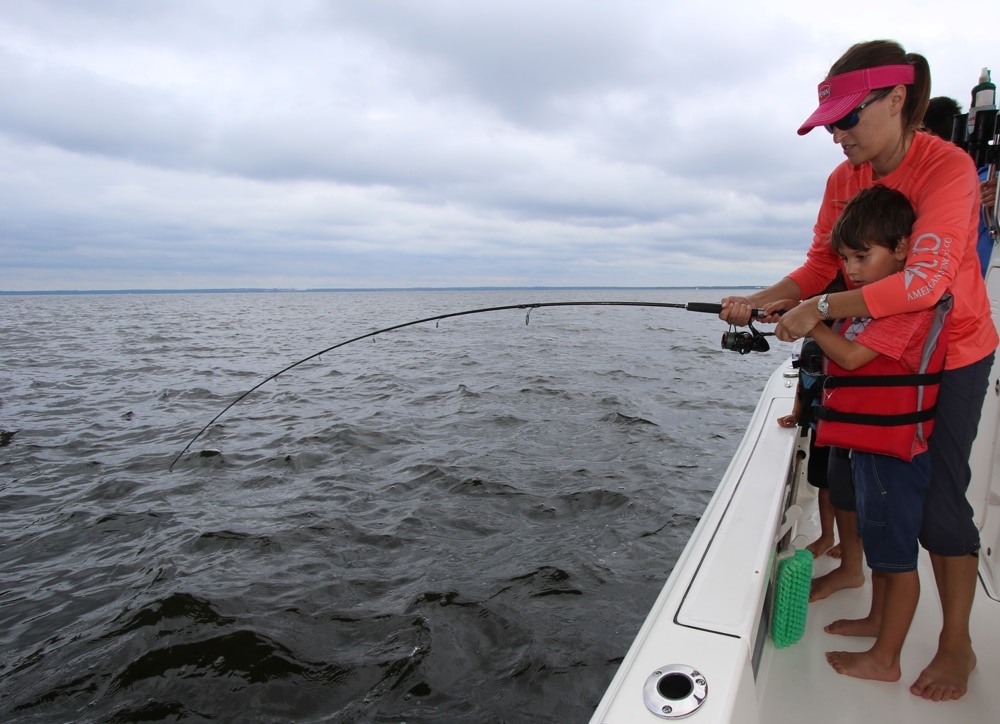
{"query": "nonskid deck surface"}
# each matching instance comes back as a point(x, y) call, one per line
point(797, 684)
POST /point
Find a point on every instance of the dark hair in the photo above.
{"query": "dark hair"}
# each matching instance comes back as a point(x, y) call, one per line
point(878, 215)
point(874, 53)
point(837, 285)
point(940, 116)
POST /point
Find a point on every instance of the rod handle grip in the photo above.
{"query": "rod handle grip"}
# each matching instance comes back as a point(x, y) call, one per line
point(713, 308)
point(707, 307)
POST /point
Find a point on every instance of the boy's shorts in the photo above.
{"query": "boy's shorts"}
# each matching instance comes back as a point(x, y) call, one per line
point(818, 460)
point(840, 479)
point(890, 496)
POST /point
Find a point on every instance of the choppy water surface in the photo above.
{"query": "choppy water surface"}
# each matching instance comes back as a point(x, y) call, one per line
point(464, 522)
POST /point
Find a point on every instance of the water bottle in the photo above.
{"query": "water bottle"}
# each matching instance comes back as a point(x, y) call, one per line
point(984, 97)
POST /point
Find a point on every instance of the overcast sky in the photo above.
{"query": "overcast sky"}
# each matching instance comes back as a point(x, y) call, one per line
point(177, 144)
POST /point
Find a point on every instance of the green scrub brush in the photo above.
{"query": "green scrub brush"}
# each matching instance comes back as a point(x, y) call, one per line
point(791, 597)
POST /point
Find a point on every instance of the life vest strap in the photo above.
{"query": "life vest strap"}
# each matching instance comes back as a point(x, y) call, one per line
point(914, 380)
point(907, 418)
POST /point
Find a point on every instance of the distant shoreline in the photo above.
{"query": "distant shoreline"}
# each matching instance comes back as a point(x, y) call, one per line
point(75, 292)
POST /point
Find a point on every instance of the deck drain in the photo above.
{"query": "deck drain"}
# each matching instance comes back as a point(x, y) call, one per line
point(674, 691)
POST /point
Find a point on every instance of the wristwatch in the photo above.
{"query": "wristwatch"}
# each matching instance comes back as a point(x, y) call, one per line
point(823, 305)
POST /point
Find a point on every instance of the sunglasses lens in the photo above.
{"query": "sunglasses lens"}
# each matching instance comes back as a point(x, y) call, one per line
point(846, 123)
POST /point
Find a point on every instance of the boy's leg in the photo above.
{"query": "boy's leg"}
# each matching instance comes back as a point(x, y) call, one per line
point(850, 573)
point(871, 624)
point(826, 539)
point(816, 473)
point(890, 509)
point(881, 661)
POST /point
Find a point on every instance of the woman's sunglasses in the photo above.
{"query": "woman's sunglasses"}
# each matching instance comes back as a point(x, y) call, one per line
point(851, 119)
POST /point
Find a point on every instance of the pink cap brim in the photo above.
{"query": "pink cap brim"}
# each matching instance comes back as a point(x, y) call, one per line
point(841, 94)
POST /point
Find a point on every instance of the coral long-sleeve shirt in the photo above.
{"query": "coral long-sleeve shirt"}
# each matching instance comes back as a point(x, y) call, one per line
point(940, 181)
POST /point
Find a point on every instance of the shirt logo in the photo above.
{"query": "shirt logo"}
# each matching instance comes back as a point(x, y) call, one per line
point(928, 271)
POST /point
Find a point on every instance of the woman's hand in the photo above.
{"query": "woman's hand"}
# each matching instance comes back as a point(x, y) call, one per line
point(738, 311)
point(774, 310)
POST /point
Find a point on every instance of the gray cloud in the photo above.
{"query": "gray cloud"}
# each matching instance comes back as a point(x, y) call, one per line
point(320, 144)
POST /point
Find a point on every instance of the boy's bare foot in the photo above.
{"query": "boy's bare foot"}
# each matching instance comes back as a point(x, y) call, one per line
point(834, 581)
point(834, 552)
point(946, 677)
point(862, 665)
point(820, 546)
point(854, 627)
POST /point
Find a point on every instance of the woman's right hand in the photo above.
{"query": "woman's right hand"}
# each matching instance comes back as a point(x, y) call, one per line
point(774, 310)
point(737, 311)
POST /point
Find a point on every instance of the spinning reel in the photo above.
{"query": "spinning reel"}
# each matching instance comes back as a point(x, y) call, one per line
point(745, 342)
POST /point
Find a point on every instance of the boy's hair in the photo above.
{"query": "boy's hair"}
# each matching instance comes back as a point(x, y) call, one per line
point(940, 116)
point(878, 215)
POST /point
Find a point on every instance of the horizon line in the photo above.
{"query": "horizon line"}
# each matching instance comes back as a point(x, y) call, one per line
point(290, 290)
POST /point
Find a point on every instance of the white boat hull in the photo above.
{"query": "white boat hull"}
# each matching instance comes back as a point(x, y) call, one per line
point(712, 615)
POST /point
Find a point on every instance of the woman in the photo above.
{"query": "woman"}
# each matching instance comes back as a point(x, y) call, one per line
point(873, 102)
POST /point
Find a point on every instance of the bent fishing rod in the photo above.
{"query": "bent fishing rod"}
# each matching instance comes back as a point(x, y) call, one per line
point(742, 342)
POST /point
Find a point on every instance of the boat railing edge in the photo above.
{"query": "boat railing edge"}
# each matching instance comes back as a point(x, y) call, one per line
point(694, 622)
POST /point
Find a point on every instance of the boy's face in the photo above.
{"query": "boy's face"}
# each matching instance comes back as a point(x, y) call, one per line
point(874, 263)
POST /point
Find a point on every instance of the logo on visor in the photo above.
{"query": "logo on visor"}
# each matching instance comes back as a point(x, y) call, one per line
point(824, 93)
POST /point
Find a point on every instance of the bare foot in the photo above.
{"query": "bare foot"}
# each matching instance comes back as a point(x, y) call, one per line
point(854, 627)
point(820, 546)
point(834, 552)
point(862, 665)
point(834, 581)
point(946, 677)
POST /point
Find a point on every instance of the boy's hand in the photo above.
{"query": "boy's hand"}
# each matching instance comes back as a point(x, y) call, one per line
point(788, 420)
point(798, 322)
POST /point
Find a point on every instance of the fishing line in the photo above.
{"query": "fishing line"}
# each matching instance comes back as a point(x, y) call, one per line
point(742, 342)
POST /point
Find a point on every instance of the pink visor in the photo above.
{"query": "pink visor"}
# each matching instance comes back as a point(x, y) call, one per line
point(841, 94)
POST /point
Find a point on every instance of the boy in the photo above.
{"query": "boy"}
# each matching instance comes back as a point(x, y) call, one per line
point(879, 403)
point(807, 393)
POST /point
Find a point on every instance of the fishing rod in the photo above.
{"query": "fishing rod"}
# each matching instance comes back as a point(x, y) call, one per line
point(742, 342)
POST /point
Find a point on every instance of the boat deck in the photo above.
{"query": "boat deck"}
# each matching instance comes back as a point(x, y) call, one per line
point(709, 622)
point(810, 690)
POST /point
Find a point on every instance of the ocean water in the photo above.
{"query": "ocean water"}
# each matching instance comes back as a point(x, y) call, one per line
point(456, 522)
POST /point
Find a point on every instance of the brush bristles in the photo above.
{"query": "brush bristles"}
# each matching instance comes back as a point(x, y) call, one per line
point(791, 598)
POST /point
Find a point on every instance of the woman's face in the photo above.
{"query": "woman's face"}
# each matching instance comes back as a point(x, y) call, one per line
point(876, 137)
